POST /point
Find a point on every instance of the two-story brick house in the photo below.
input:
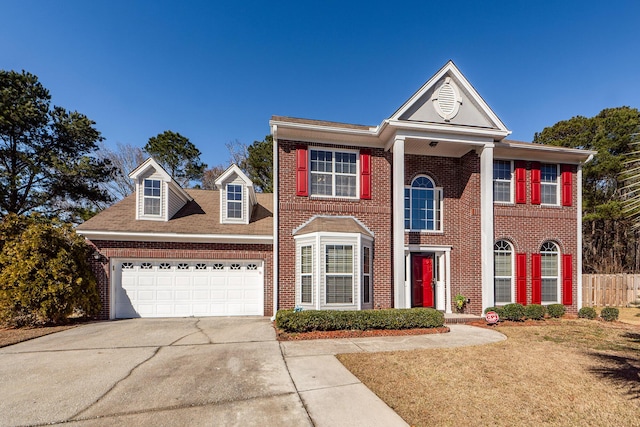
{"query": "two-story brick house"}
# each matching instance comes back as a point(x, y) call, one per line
point(431, 203)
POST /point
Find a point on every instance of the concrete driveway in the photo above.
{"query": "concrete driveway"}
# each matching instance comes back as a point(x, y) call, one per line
point(208, 371)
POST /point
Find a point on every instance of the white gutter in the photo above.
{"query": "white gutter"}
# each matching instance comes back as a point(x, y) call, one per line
point(274, 237)
point(175, 237)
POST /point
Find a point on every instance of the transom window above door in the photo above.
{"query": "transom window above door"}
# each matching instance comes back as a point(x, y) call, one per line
point(333, 173)
point(422, 205)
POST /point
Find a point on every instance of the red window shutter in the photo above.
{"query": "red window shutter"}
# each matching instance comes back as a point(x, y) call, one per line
point(521, 278)
point(302, 171)
point(521, 182)
point(567, 182)
point(536, 279)
point(567, 279)
point(365, 174)
point(535, 183)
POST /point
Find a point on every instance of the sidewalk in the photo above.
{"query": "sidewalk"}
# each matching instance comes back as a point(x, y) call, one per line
point(335, 397)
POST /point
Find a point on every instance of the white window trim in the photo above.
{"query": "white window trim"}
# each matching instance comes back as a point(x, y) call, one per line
point(512, 277)
point(557, 277)
point(241, 201)
point(557, 184)
point(333, 174)
point(368, 247)
point(310, 274)
point(511, 183)
point(438, 191)
point(318, 241)
point(160, 198)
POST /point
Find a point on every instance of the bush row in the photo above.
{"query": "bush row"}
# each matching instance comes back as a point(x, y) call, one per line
point(518, 312)
point(333, 320)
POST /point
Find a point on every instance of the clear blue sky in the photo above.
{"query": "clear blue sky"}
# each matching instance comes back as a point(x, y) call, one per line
point(217, 71)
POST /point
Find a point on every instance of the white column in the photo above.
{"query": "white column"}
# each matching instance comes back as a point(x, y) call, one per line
point(579, 238)
point(447, 263)
point(399, 300)
point(486, 224)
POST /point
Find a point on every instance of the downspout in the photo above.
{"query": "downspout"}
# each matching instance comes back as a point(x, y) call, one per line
point(579, 232)
point(274, 275)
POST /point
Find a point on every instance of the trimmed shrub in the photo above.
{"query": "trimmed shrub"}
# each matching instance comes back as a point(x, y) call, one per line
point(498, 311)
point(535, 311)
point(334, 320)
point(556, 310)
point(587, 313)
point(44, 272)
point(514, 312)
point(609, 314)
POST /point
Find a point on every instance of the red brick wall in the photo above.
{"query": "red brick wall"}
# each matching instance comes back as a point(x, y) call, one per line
point(173, 250)
point(375, 214)
point(527, 226)
point(460, 182)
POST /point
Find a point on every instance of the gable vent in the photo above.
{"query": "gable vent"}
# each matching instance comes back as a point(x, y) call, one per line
point(446, 100)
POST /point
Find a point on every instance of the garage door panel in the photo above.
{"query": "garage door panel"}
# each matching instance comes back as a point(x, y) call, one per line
point(188, 288)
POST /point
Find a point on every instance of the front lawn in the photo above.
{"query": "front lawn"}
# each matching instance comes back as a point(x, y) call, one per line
point(563, 373)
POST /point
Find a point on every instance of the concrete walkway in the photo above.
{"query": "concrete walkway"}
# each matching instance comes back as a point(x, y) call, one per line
point(334, 397)
point(197, 372)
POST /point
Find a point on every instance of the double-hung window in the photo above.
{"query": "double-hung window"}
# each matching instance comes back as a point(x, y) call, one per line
point(306, 274)
point(503, 272)
point(334, 173)
point(339, 274)
point(234, 201)
point(422, 210)
point(549, 184)
point(151, 197)
point(502, 181)
point(550, 262)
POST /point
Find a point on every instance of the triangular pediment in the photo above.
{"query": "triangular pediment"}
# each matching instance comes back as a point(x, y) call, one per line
point(449, 99)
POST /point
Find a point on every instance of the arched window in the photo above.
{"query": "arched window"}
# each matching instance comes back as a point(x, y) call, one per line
point(503, 272)
point(422, 205)
point(550, 269)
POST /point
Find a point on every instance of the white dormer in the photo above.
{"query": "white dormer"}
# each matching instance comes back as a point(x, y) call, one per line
point(237, 196)
point(158, 196)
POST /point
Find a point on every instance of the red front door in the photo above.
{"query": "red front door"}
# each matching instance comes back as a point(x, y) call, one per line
point(422, 281)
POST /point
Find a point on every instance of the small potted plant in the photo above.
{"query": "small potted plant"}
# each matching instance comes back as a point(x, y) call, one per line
point(460, 302)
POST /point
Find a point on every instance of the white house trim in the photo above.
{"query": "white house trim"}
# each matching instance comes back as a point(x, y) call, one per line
point(399, 294)
point(175, 237)
point(486, 224)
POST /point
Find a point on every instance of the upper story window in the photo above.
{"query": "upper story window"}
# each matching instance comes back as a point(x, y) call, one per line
point(152, 197)
point(549, 184)
point(502, 181)
point(333, 173)
point(422, 205)
point(234, 201)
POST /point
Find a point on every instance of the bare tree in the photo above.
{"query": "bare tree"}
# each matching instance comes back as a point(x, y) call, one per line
point(210, 175)
point(125, 158)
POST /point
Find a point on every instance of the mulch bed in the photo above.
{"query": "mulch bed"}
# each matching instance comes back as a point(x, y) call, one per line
point(10, 336)
point(315, 335)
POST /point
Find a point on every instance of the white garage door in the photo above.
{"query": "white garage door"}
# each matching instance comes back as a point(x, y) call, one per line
point(181, 288)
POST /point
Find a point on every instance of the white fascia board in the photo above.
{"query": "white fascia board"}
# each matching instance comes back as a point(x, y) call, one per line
point(531, 151)
point(450, 129)
point(284, 125)
point(175, 237)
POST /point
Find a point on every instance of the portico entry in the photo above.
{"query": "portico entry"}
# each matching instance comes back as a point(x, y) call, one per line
point(422, 280)
point(427, 277)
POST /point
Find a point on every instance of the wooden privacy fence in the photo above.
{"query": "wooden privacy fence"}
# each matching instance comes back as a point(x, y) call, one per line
point(616, 290)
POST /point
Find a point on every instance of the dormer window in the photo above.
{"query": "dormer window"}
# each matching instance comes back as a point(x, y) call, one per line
point(234, 201)
point(237, 196)
point(152, 197)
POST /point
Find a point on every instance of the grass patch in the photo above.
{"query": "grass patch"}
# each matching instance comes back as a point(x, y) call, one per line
point(570, 372)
